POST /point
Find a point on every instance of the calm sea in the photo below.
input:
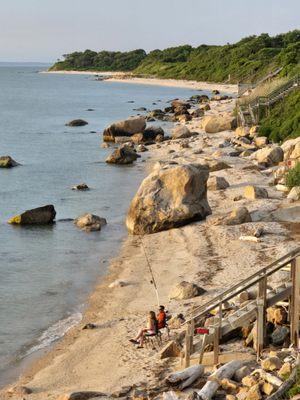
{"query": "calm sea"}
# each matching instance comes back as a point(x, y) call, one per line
point(46, 273)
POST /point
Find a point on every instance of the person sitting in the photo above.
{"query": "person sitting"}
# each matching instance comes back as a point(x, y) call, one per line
point(161, 318)
point(150, 330)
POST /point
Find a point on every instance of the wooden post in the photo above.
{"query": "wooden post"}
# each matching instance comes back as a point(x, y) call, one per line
point(202, 348)
point(216, 345)
point(261, 315)
point(295, 299)
point(188, 343)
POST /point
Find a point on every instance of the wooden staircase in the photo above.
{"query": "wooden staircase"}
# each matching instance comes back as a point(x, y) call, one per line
point(254, 309)
point(249, 114)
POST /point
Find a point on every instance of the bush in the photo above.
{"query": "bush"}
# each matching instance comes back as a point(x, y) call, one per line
point(293, 176)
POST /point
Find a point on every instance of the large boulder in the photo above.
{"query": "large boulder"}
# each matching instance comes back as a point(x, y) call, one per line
point(217, 123)
point(289, 146)
point(90, 222)
point(181, 132)
point(7, 162)
point(127, 127)
point(268, 156)
point(171, 196)
point(122, 155)
point(185, 290)
point(37, 216)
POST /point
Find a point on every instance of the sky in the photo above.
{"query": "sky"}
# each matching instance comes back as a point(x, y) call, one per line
point(43, 30)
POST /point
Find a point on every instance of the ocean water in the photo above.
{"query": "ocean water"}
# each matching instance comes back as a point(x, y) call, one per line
point(46, 273)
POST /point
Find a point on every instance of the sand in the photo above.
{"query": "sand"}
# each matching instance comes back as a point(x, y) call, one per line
point(179, 83)
point(102, 359)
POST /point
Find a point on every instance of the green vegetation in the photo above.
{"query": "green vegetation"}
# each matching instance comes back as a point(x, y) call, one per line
point(102, 61)
point(283, 121)
point(293, 178)
point(247, 60)
point(296, 388)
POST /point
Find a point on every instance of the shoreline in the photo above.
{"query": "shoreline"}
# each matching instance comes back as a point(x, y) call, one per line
point(180, 83)
point(196, 252)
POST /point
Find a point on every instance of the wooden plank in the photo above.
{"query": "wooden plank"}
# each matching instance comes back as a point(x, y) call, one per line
point(204, 338)
point(295, 299)
point(261, 315)
point(216, 345)
point(188, 346)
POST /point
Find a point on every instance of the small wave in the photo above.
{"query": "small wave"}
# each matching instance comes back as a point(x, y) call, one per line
point(55, 332)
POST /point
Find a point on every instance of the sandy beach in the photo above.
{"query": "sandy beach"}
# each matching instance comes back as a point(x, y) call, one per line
point(179, 83)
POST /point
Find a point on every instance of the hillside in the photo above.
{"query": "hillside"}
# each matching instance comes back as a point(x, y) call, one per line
point(247, 60)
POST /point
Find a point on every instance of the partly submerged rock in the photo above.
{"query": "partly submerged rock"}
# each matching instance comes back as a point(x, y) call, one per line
point(90, 222)
point(7, 162)
point(122, 155)
point(80, 186)
point(77, 122)
point(171, 196)
point(185, 290)
point(37, 216)
point(127, 127)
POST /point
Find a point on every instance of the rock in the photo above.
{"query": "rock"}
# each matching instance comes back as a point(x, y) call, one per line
point(242, 393)
point(37, 216)
point(176, 322)
point(89, 326)
point(171, 349)
point(254, 131)
point(123, 155)
point(279, 335)
point(216, 165)
point(238, 216)
point(294, 194)
point(285, 370)
point(267, 388)
point(184, 118)
point(90, 222)
point(230, 397)
point(184, 144)
point(215, 91)
point(185, 290)
point(181, 132)
point(157, 113)
point(105, 145)
point(217, 183)
point(217, 123)
point(7, 162)
point(255, 192)
point(81, 186)
point(271, 364)
point(276, 315)
point(289, 146)
point(152, 132)
point(117, 283)
point(268, 156)
point(171, 196)
point(159, 138)
point(19, 390)
point(141, 148)
point(261, 141)
point(126, 127)
point(81, 396)
point(282, 188)
point(180, 103)
point(241, 373)
point(242, 131)
point(77, 122)
point(249, 380)
point(204, 107)
point(197, 113)
point(254, 393)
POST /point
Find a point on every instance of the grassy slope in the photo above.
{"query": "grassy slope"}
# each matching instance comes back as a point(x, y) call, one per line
point(284, 119)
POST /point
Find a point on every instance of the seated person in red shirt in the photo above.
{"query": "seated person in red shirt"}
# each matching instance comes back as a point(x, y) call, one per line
point(161, 317)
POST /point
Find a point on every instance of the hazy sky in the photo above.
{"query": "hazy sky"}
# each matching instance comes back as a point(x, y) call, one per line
point(43, 30)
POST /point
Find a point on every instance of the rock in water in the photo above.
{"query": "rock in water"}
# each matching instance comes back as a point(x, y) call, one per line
point(122, 155)
point(127, 127)
point(81, 186)
point(171, 196)
point(36, 216)
point(77, 122)
point(90, 222)
point(7, 162)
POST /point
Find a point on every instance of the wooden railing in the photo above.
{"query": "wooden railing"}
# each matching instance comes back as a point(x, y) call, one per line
point(253, 108)
point(259, 278)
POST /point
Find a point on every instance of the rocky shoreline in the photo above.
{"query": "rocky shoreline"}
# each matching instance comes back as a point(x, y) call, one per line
point(209, 253)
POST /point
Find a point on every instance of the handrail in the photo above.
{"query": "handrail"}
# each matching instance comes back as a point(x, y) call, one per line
point(244, 284)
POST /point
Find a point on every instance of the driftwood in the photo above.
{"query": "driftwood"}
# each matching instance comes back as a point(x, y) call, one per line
point(213, 383)
point(170, 395)
point(266, 376)
point(187, 376)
